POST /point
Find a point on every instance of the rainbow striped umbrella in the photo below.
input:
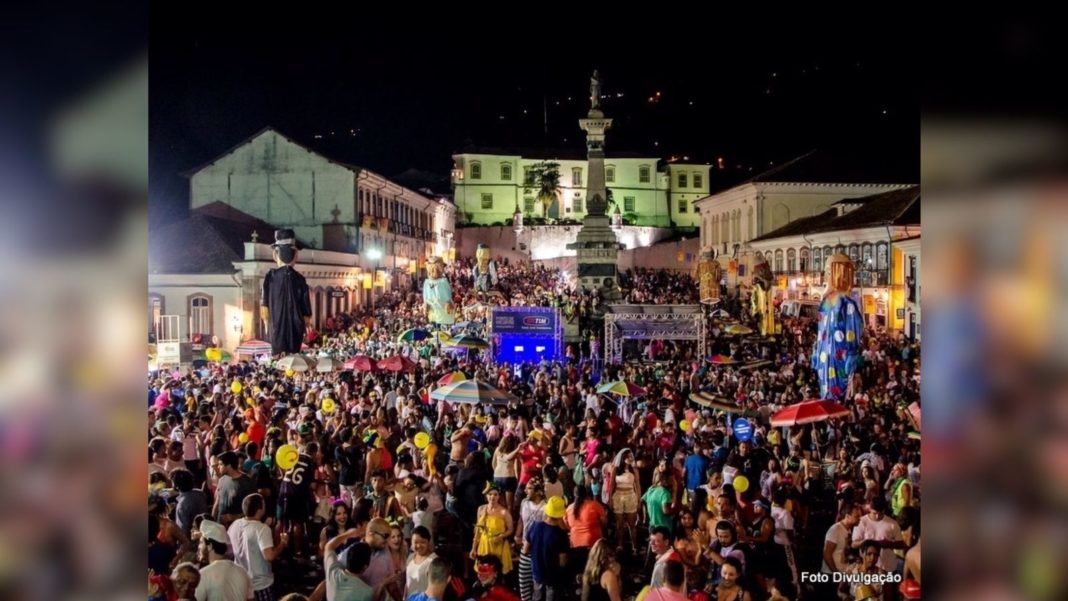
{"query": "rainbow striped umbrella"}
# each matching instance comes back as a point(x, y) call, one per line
point(474, 392)
point(738, 329)
point(413, 335)
point(469, 342)
point(456, 376)
point(622, 388)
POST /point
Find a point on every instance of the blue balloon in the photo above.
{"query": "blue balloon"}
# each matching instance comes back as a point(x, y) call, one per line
point(743, 430)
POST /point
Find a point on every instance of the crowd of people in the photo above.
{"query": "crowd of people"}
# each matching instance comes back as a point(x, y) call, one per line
point(562, 494)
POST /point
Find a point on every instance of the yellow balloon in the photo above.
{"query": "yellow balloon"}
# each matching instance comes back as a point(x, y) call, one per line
point(329, 405)
point(286, 456)
point(290, 372)
point(685, 425)
point(242, 437)
point(236, 387)
point(741, 483)
point(422, 439)
point(251, 402)
point(213, 354)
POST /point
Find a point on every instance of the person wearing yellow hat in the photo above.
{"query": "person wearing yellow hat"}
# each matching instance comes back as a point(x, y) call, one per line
point(546, 543)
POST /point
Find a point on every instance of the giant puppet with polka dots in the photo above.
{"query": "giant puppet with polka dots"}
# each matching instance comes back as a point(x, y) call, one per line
point(838, 344)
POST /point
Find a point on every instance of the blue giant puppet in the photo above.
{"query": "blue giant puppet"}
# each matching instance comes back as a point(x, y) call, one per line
point(841, 325)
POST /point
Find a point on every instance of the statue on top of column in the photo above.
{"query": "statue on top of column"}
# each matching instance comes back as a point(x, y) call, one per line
point(595, 90)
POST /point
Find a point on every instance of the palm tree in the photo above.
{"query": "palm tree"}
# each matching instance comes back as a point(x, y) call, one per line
point(545, 177)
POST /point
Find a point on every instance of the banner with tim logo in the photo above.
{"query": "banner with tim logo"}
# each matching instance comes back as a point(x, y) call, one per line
point(524, 320)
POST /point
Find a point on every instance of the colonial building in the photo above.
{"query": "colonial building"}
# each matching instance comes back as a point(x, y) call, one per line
point(807, 186)
point(329, 204)
point(910, 248)
point(489, 185)
point(359, 231)
point(875, 231)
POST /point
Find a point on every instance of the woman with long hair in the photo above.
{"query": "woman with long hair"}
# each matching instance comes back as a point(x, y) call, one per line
point(494, 528)
point(586, 518)
point(340, 521)
point(730, 582)
point(504, 475)
point(600, 578)
point(626, 496)
point(398, 547)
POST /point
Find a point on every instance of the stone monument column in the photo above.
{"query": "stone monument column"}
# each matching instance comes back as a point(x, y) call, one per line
point(596, 244)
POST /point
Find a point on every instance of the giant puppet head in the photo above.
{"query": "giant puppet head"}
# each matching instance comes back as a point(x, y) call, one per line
point(762, 275)
point(482, 255)
point(284, 247)
point(840, 272)
point(435, 267)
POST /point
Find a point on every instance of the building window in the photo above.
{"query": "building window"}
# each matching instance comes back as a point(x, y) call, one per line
point(866, 257)
point(156, 307)
point(476, 170)
point(840, 249)
point(528, 177)
point(628, 204)
point(682, 205)
point(578, 203)
point(698, 180)
point(682, 180)
point(778, 261)
point(200, 315)
point(880, 257)
point(759, 257)
point(854, 255)
point(827, 252)
point(912, 281)
point(487, 201)
point(576, 176)
point(791, 260)
point(528, 204)
point(506, 172)
point(805, 266)
point(609, 174)
point(817, 259)
point(643, 174)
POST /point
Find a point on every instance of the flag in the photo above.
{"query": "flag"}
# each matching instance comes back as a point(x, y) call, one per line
point(366, 281)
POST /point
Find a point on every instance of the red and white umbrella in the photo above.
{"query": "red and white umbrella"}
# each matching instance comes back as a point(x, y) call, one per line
point(807, 412)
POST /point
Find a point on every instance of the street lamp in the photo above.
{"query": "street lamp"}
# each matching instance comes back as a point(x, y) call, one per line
point(375, 254)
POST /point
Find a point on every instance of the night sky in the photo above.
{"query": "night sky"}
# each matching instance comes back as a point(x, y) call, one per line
point(390, 95)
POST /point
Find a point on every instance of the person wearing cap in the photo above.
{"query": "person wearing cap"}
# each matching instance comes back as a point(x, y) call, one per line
point(221, 579)
point(547, 545)
point(285, 301)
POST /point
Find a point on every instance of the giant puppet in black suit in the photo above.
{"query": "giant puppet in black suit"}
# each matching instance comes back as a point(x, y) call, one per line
point(285, 303)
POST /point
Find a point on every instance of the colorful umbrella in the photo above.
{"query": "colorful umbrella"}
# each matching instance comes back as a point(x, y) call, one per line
point(413, 335)
point(721, 360)
point(469, 342)
point(296, 363)
point(622, 388)
point(472, 392)
point(396, 363)
point(360, 363)
point(253, 347)
point(710, 401)
point(807, 412)
point(326, 364)
point(456, 376)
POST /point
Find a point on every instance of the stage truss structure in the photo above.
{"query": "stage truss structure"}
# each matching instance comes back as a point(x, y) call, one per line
point(650, 322)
